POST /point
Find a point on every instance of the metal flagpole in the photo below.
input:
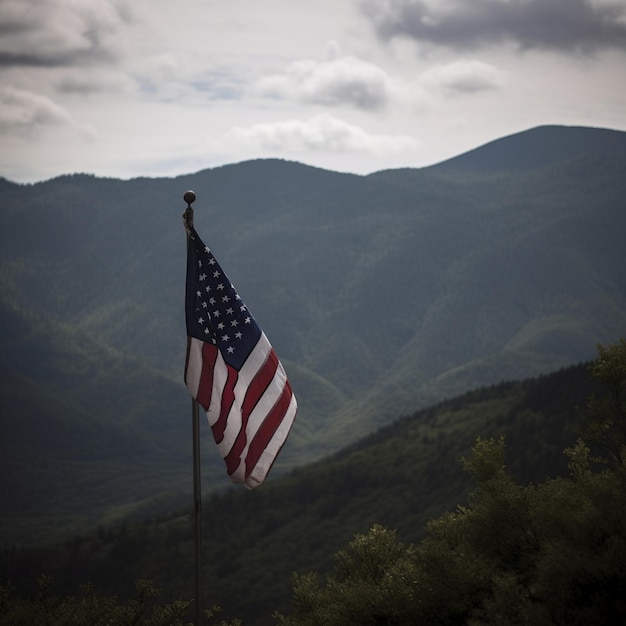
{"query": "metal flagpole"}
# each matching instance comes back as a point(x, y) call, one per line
point(197, 498)
point(189, 198)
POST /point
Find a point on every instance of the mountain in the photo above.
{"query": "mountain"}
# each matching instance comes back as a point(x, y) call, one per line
point(537, 148)
point(400, 476)
point(381, 294)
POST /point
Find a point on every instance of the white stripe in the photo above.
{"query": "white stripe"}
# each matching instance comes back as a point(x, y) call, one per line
point(247, 373)
point(220, 375)
point(259, 473)
point(266, 403)
point(194, 367)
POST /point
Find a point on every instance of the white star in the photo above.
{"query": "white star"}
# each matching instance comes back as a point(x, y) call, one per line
point(248, 320)
point(216, 274)
point(202, 276)
point(230, 349)
point(230, 311)
point(220, 287)
point(225, 338)
point(200, 320)
point(234, 323)
point(239, 335)
point(216, 313)
point(220, 326)
point(212, 300)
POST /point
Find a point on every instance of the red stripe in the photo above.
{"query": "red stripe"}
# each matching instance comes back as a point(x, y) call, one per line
point(259, 384)
point(254, 392)
point(228, 397)
point(265, 433)
point(205, 386)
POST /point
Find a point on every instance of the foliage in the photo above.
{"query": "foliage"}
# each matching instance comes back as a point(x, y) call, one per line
point(90, 607)
point(604, 423)
point(554, 553)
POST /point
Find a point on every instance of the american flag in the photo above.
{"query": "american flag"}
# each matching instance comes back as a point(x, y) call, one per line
point(233, 372)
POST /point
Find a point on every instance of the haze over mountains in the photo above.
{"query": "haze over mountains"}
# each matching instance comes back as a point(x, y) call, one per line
point(381, 294)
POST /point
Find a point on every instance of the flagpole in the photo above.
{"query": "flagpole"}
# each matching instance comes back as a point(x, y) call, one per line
point(189, 198)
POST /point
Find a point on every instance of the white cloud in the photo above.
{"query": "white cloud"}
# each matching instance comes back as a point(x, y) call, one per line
point(24, 111)
point(464, 76)
point(51, 33)
point(345, 80)
point(162, 85)
point(320, 133)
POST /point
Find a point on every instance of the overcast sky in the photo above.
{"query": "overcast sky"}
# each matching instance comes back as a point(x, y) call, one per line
point(129, 88)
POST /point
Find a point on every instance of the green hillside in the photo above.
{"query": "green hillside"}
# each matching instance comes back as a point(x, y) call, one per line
point(382, 294)
point(400, 476)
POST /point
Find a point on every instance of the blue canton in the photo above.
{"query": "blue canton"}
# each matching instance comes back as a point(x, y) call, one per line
point(215, 313)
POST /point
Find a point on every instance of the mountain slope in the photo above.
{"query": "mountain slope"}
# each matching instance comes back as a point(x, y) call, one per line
point(381, 294)
point(536, 148)
point(400, 476)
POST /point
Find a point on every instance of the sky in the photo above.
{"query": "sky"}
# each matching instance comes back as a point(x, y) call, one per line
point(128, 88)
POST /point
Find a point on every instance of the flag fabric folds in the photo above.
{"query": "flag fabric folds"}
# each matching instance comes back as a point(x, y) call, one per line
point(232, 371)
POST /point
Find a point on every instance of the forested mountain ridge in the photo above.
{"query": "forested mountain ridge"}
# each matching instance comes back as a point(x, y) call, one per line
point(380, 293)
point(400, 476)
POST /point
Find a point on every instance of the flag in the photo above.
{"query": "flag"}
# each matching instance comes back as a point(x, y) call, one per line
point(232, 371)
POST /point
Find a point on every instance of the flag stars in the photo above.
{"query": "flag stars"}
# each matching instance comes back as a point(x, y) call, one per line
point(221, 317)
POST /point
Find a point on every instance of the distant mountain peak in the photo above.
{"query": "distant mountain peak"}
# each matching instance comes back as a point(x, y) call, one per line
point(535, 148)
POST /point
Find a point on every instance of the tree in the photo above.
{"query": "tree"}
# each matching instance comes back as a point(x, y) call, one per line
point(554, 553)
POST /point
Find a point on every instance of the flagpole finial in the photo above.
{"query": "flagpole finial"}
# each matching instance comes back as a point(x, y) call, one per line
point(189, 198)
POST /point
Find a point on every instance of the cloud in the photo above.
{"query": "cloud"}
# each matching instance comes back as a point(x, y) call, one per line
point(320, 133)
point(564, 25)
point(49, 33)
point(346, 80)
point(465, 76)
point(24, 111)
